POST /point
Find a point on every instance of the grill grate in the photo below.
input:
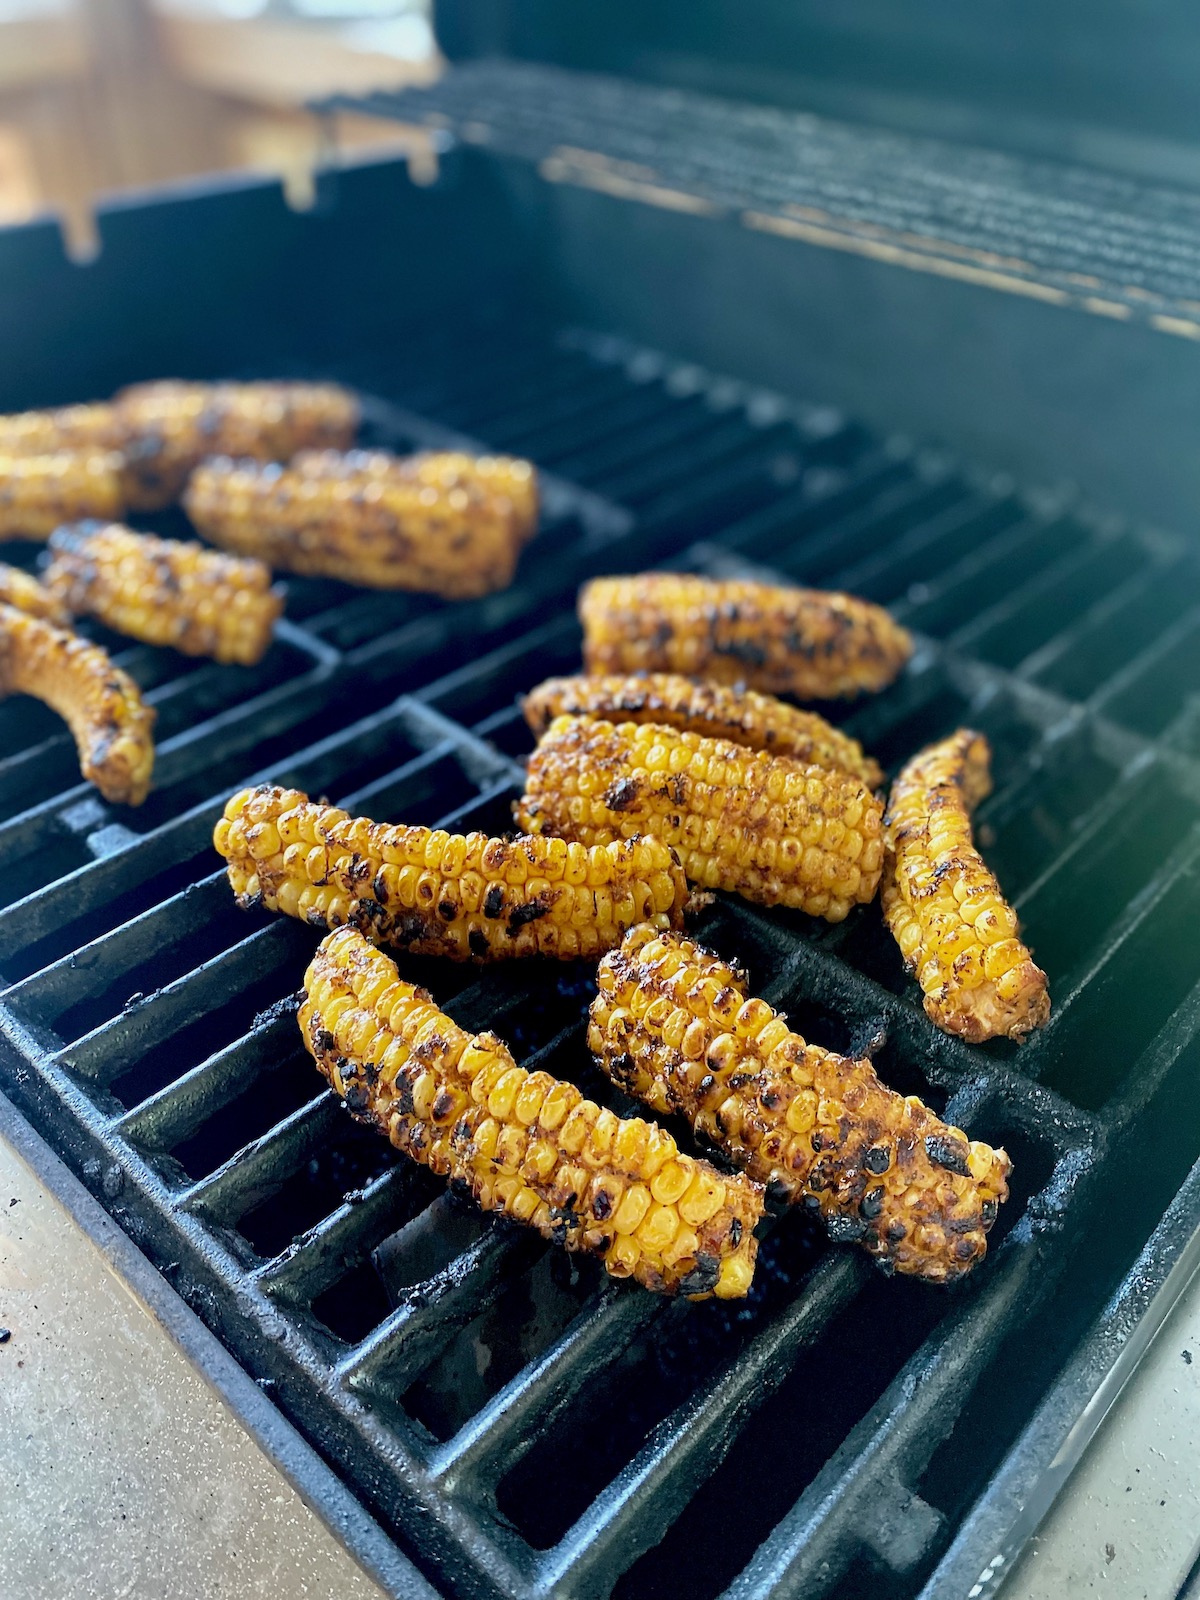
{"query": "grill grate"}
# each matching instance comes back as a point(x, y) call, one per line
point(524, 1427)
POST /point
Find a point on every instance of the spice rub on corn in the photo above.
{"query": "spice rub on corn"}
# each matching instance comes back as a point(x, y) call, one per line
point(40, 492)
point(954, 927)
point(523, 1143)
point(102, 706)
point(765, 827)
point(427, 523)
point(718, 711)
point(464, 896)
point(167, 428)
point(165, 591)
point(672, 1025)
point(809, 643)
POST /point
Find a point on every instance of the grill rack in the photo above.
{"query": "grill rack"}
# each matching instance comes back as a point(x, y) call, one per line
point(97, 1063)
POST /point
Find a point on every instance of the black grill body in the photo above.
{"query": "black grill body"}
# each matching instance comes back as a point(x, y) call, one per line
point(520, 1427)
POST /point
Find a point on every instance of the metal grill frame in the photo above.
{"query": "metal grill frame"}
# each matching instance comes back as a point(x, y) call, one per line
point(806, 465)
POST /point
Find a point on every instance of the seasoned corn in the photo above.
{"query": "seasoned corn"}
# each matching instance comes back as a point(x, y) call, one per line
point(366, 518)
point(166, 429)
point(459, 895)
point(19, 589)
point(954, 927)
point(44, 433)
point(39, 493)
point(758, 721)
point(523, 1142)
point(761, 826)
point(101, 705)
point(803, 642)
point(164, 591)
point(672, 1025)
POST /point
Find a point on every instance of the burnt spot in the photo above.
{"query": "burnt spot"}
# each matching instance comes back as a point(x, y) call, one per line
point(846, 1230)
point(358, 869)
point(357, 1096)
point(621, 794)
point(702, 1279)
point(519, 916)
point(379, 888)
point(871, 1204)
point(622, 1070)
point(447, 910)
point(964, 1250)
point(463, 1133)
point(988, 1211)
point(602, 1205)
point(948, 1153)
point(477, 944)
point(877, 1160)
point(896, 1232)
point(735, 1233)
point(404, 1097)
point(409, 930)
point(662, 635)
point(741, 650)
point(315, 918)
point(493, 904)
point(771, 1098)
point(443, 1105)
point(324, 1041)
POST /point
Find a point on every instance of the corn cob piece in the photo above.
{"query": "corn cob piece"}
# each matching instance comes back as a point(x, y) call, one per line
point(765, 827)
point(19, 589)
point(165, 591)
point(39, 493)
point(758, 721)
point(803, 642)
point(102, 706)
point(523, 1142)
point(672, 1025)
point(954, 927)
point(464, 896)
point(168, 428)
point(44, 433)
point(362, 518)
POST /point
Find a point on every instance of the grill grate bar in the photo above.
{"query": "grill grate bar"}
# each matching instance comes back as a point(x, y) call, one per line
point(258, 1168)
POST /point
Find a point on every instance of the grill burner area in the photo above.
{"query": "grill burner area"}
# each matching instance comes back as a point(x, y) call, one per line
point(521, 1426)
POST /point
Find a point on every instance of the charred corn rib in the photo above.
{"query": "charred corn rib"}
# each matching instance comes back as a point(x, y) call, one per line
point(18, 589)
point(42, 433)
point(101, 705)
point(364, 518)
point(522, 1142)
point(803, 642)
point(758, 721)
point(165, 591)
point(459, 895)
point(39, 493)
point(761, 826)
point(166, 429)
point(672, 1025)
point(954, 927)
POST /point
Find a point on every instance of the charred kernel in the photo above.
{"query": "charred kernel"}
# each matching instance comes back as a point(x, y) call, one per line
point(943, 905)
point(746, 822)
point(525, 1145)
point(335, 865)
point(990, 1210)
point(803, 642)
point(910, 1212)
point(757, 721)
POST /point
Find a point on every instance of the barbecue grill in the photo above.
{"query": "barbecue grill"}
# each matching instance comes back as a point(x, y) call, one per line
point(725, 350)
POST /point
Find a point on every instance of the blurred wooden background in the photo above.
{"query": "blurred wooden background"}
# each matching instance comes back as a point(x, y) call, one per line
point(97, 96)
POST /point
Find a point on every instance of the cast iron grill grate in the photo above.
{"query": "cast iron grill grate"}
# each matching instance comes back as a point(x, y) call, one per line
point(524, 1427)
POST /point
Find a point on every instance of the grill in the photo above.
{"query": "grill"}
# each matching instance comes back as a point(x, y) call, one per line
point(521, 1427)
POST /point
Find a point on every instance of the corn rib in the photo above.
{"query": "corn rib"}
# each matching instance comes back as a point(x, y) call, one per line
point(165, 591)
point(672, 1025)
point(378, 521)
point(808, 643)
point(761, 826)
point(464, 896)
point(523, 1142)
point(74, 428)
point(38, 493)
point(758, 721)
point(944, 907)
point(167, 428)
point(19, 589)
point(102, 706)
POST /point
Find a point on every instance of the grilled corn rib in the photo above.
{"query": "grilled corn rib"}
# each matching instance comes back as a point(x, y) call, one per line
point(19, 589)
point(522, 1142)
point(803, 642)
point(761, 826)
point(166, 429)
point(945, 908)
point(758, 721)
point(672, 1025)
point(459, 895)
point(101, 705)
point(41, 433)
point(165, 591)
point(371, 520)
point(40, 492)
